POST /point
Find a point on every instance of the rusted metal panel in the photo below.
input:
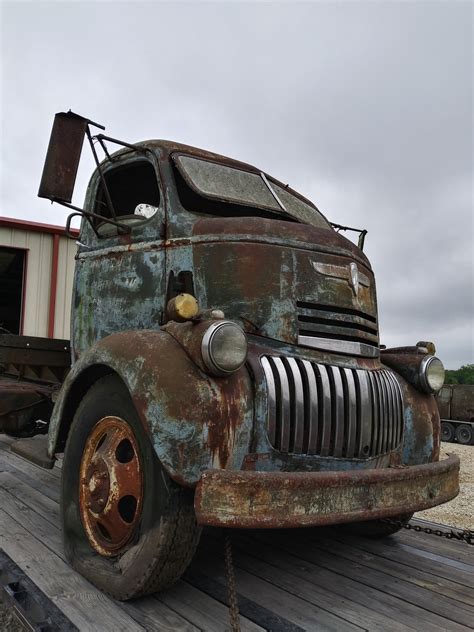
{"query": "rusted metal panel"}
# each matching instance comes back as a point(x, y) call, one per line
point(282, 499)
point(111, 486)
point(21, 403)
point(194, 421)
point(62, 159)
point(456, 401)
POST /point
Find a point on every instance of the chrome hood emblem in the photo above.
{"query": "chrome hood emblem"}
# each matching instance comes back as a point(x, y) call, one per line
point(350, 274)
point(354, 278)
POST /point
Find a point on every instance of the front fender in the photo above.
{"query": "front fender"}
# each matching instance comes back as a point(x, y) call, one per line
point(195, 422)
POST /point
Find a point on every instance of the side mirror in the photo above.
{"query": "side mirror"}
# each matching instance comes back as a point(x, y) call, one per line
point(62, 158)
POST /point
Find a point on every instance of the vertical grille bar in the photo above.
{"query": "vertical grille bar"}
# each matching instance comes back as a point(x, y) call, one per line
point(374, 443)
point(366, 418)
point(283, 441)
point(271, 392)
point(312, 420)
point(325, 418)
point(338, 419)
point(298, 407)
point(351, 407)
point(398, 407)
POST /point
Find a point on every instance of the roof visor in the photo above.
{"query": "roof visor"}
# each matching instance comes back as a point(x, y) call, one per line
point(216, 181)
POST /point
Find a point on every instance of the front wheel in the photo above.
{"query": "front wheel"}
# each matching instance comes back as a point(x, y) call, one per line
point(127, 527)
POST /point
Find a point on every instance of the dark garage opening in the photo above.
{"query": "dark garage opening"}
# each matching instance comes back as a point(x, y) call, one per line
point(12, 266)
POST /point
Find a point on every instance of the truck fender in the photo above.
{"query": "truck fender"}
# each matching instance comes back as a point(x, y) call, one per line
point(195, 422)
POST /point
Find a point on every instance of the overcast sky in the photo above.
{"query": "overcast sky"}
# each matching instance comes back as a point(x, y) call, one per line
point(366, 108)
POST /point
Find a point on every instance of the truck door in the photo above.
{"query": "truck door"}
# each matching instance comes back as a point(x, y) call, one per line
point(120, 278)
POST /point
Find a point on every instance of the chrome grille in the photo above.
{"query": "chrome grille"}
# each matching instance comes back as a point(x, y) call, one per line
point(331, 411)
point(337, 329)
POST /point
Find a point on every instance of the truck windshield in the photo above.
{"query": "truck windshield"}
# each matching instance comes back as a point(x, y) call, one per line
point(234, 186)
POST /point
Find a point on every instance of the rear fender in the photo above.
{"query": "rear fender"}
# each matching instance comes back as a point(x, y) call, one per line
point(195, 422)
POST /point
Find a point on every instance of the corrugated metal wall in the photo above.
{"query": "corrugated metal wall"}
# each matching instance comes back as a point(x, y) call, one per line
point(39, 247)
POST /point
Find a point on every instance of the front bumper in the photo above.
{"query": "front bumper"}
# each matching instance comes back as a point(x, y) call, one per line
point(263, 500)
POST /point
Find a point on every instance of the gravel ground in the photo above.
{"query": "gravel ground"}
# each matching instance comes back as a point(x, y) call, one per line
point(459, 512)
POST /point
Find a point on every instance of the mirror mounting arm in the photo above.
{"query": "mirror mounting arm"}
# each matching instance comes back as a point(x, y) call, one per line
point(123, 229)
point(362, 233)
point(101, 173)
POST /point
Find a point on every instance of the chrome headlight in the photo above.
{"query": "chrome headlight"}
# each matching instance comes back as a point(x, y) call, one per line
point(224, 347)
point(431, 374)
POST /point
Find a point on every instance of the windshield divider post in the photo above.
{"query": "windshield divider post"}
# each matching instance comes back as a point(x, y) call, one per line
point(270, 188)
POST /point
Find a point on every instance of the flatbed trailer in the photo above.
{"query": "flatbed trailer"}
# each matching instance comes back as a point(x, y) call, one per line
point(290, 580)
point(456, 409)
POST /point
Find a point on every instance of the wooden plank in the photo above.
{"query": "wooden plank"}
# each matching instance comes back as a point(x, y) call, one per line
point(307, 582)
point(396, 569)
point(205, 612)
point(378, 601)
point(155, 616)
point(25, 472)
point(85, 606)
point(31, 497)
point(40, 515)
point(431, 608)
point(451, 549)
point(410, 557)
point(289, 606)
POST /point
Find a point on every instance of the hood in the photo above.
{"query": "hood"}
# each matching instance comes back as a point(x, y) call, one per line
point(288, 281)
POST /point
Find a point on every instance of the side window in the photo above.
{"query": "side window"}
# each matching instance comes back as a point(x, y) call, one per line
point(133, 190)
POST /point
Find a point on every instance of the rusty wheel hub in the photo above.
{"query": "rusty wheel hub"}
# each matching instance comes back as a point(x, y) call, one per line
point(111, 485)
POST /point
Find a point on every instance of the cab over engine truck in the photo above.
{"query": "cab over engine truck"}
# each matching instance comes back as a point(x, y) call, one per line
point(226, 367)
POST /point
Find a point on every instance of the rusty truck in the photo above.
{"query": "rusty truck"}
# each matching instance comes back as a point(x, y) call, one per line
point(456, 409)
point(226, 367)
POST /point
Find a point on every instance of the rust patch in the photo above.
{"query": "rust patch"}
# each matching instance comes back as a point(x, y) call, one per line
point(111, 486)
point(285, 500)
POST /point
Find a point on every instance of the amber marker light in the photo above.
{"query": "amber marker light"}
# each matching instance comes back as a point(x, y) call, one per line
point(182, 307)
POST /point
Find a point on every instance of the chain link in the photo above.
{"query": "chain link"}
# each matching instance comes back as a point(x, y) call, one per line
point(465, 535)
point(232, 592)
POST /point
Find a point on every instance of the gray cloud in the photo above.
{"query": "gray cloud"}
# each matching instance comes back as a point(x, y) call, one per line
point(364, 107)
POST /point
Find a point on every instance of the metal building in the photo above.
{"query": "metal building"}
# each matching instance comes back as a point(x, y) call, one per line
point(36, 276)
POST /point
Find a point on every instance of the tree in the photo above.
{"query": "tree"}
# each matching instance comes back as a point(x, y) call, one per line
point(463, 375)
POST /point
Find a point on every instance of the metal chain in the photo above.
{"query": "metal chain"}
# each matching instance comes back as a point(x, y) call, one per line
point(229, 571)
point(465, 535)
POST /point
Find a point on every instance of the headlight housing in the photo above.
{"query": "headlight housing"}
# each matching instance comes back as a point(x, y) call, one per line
point(224, 347)
point(431, 374)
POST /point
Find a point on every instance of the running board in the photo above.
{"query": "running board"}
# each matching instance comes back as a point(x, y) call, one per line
point(34, 449)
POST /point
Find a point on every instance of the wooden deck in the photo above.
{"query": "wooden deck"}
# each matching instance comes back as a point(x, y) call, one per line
point(287, 581)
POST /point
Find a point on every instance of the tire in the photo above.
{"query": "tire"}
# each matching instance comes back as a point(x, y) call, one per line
point(161, 533)
point(376, 528)
point(447, 431)
point(465, 434)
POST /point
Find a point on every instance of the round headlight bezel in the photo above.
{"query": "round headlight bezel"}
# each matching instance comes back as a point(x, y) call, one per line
point(424, 374)
point(206, 348)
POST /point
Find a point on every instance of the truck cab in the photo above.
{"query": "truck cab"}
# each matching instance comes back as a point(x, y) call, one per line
point(227, 371)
